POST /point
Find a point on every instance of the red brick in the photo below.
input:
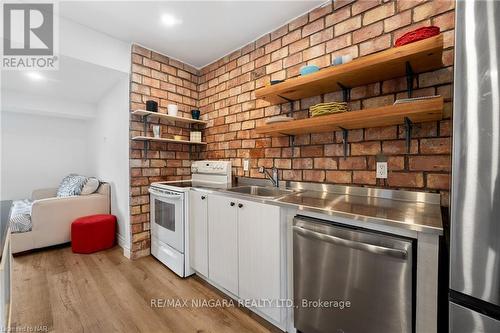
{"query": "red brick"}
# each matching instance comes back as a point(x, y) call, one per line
point(365, 148)
point(347, 26)
point(379, 101)
point(375, 45)
point(381, 133)
point(334, 150)
point(321, 36)
point(364, 5)
point(440, 76)
point(299, 45)
point(313, 27)
point(399, 147)
point(367, 32)
point(302, 163)
point(338, 43)
point(399, 179)
point(338, 16)
point(445, 21)
point(339, 177)
point(352, 163)
point(407, 4)
point(430, 163)
point(291, 37)
point(313, 176)
point(364, 177)
point(311, 151)
point(397, 21)
point(280, 32)
point(378, 13)
point(298, 22)
point(141, 50)
point(292, 175)
point(292, 60)
point(313, 52)
point(438, 181)
point(320, 11)
point(432, 8)
point(325, 163)
point(435, 146)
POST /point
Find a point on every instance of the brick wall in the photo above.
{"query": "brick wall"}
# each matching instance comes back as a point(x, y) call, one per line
point(156, 77)
point(224, 91)
point(227, 98)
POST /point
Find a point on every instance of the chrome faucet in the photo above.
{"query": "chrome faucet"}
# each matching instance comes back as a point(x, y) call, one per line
point(272, 177)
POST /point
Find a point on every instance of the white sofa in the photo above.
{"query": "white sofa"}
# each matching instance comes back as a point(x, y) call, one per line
point(51, 217)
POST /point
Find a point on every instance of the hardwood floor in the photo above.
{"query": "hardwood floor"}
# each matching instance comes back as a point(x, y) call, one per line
point(106, 292)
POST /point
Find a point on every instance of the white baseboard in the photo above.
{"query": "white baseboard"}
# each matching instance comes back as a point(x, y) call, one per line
point(123, 244)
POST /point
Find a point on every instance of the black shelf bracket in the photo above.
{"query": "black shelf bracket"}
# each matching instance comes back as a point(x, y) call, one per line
point(290, 101)
point(146, 149)
point(410, 75)
point(344, 141)
point(408, 130)
point(145, 124)
point(346, 92)
point(292, 145)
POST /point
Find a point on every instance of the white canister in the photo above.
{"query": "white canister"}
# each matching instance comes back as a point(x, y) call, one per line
point(156, 131)
point(195, 136)
point(172, 110)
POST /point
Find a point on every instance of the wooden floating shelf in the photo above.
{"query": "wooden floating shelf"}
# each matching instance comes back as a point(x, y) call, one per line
point(422, 56)
point(417, 112)
point(147, 138)
point(157, 115)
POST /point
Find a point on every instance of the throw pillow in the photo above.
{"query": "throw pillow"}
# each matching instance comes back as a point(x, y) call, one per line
point(71, 185)
point(90, 186)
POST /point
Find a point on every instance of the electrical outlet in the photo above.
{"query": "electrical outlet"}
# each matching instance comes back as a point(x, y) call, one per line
point(381, 169)
point(246, 165)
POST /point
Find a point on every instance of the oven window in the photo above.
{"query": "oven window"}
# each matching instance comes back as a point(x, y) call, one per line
point(165, 214)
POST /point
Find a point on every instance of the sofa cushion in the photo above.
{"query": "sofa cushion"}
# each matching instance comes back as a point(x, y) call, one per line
point(90, 186)
point(20, 216)
point(71, 185)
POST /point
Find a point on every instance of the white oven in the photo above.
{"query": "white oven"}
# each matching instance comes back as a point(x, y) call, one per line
point(169, 214)
point(167, 209)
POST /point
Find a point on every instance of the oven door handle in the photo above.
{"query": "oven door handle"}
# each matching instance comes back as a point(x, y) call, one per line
point(164, 195)
point(396, 253)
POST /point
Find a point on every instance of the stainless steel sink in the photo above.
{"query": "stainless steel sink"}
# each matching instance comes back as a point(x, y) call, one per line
point(261, 191)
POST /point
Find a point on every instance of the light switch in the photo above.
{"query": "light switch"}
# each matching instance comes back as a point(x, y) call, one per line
point(381, 169)
point(245, 165)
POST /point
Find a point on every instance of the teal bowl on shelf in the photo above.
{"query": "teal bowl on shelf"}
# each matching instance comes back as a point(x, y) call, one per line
point(308, 69)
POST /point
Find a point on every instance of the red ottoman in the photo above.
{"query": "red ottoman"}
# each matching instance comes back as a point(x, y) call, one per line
point(93, 233)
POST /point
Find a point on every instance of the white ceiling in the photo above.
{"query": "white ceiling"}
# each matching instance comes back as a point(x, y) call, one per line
point(209, 29)
point(75, 80)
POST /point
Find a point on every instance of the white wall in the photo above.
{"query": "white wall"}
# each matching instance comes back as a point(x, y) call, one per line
point(109, 153)
point(80, 42)
point(38, 151)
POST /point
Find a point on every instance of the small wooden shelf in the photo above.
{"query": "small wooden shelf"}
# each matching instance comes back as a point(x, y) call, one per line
point(417, 112)
point(147, 138)
point(421, 56)
point(157, 115)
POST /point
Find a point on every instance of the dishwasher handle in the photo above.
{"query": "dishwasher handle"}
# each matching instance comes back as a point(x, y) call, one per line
point(396, 253)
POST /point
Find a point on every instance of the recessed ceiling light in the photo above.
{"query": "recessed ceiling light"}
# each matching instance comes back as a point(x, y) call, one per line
point(35, 76)
point(170, 20)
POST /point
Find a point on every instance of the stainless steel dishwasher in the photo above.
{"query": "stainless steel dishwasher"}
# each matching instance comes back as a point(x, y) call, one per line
point(350, 281)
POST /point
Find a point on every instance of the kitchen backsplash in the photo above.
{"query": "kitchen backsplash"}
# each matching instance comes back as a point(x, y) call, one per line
point(225, 93)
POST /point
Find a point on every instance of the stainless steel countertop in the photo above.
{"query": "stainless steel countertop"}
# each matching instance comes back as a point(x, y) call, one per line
point(417, 211)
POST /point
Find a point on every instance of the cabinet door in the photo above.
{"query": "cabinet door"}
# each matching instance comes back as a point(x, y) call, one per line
point(259, 254)
point(223, 242)
point(198, 232)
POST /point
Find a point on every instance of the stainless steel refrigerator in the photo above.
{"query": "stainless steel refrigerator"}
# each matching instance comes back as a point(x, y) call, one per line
point(475, 195)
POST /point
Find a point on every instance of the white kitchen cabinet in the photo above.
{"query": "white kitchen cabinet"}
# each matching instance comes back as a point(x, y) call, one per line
point(198, 232)
point(223, 242)
point(259, 255)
